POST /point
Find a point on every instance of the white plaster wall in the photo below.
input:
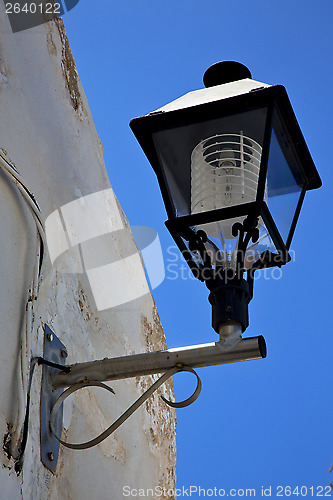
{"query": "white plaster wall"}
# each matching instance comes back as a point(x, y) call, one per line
point(48, 132)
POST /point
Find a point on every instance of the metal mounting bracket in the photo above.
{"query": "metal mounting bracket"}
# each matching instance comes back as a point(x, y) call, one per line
point(56, 377)
point(56, 352)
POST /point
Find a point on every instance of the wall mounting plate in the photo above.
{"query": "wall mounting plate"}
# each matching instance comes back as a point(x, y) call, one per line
point(54, 351)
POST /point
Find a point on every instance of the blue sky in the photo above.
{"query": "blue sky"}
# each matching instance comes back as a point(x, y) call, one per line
point(260, 423)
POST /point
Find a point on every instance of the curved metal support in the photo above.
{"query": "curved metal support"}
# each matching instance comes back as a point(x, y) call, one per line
point(191, 399)
point(113, 427)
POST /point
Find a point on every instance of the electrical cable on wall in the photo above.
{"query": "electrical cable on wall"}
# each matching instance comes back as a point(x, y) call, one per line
point(9, 169)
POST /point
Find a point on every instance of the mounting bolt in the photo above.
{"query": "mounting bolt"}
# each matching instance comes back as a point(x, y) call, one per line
point(64, 353)
point(50, 456)
point(49, 337)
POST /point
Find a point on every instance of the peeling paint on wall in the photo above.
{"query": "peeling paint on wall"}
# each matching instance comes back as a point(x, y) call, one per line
point(70, 73)
point(160, 420)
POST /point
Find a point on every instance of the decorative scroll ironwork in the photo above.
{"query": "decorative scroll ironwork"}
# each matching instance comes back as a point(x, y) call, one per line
point(113, 427)
point(247, 230)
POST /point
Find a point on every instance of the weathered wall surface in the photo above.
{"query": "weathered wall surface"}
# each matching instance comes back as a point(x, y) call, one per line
point(48, 132)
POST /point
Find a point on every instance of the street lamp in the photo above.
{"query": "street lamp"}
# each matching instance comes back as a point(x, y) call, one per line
point(233, 169)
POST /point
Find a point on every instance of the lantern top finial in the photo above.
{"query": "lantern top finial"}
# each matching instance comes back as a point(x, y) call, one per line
point(225, 72)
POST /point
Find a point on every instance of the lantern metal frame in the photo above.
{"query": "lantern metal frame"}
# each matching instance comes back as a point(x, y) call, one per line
point(275, 99)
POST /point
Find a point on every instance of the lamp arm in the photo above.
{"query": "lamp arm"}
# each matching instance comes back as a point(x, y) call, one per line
point(150, 363)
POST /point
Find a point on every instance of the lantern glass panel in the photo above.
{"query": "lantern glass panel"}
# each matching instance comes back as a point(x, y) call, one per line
point(212, 164)
point(285, 181)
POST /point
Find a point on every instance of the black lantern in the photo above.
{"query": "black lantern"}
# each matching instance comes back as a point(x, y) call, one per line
point(233, 169)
